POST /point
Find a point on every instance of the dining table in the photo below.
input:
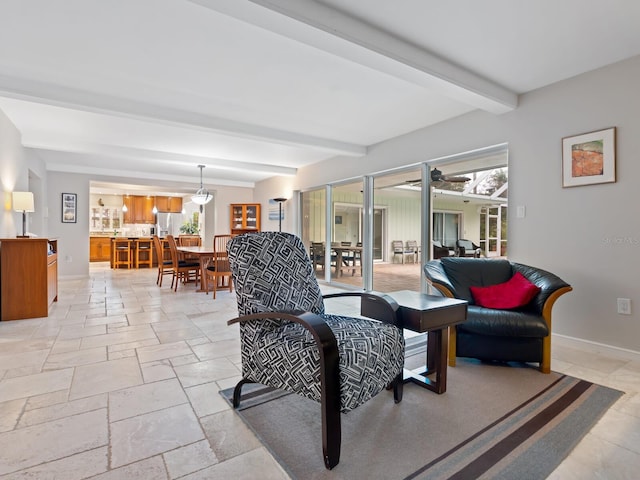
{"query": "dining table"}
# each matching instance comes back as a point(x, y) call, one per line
point(204, 255)
point(346, 256)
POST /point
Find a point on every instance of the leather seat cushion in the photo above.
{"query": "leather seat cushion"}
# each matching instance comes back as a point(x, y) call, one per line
point(507, 323)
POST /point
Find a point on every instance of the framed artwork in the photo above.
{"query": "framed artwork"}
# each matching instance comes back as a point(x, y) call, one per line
point(589, 158)
point(69, 207)
point(276, 212)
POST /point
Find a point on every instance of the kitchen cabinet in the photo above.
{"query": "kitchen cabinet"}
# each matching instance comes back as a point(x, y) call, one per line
point(99, 249)
point(139, 209)
point(245, 218)
point(104, 218)
point(169, 204)
point(28, 277)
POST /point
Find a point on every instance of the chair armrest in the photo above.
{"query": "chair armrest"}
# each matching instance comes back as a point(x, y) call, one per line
point(329, 360)
point(322, 334)
point(376, 305)
point(437, 278)
point(551, 286)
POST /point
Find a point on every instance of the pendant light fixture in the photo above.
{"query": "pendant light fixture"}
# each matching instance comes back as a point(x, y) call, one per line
point(202, 196)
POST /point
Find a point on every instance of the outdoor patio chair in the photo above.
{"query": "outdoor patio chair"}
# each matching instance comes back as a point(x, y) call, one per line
point(438, 250)
point(466, 248)
point(318, 253)
point(288, 342)
point(400, 249)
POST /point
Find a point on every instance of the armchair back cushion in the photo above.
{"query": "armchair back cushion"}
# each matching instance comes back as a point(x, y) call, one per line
point(275, 276)
point(480, 272)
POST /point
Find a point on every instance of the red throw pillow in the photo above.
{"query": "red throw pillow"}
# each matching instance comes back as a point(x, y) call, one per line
point(515, 292)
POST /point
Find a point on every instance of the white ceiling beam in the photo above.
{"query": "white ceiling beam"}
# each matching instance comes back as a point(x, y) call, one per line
point(60, 96)
point(157, 157)
point(342, 35)
point(129, 175)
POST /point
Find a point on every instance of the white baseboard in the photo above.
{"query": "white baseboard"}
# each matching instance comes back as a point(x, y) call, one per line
point(72, 277)
point(594, 347)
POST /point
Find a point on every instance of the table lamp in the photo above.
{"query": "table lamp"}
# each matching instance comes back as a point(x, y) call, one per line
point(23, 202)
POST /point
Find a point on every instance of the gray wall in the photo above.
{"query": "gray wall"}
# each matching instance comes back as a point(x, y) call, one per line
point(589, 235)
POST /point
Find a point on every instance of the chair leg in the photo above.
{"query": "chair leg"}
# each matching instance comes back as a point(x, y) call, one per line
point(398, 386)
point(330, 404)
point(331, 433)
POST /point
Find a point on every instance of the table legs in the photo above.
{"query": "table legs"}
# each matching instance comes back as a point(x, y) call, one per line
point(436, 366)
point(204, 261)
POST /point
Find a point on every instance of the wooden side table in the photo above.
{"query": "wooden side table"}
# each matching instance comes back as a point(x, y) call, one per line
point(422, 313)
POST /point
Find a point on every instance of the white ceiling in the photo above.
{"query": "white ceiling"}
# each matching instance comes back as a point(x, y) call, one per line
point(142, 91)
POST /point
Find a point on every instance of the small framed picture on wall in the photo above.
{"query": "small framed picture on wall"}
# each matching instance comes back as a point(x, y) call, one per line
point(69, 207)
point(589, 158)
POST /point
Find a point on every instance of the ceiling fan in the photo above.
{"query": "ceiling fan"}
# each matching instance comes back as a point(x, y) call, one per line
point(437, 176)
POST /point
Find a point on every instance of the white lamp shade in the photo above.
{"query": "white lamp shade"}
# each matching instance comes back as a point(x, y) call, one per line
point(201, 197)
point(22, 201)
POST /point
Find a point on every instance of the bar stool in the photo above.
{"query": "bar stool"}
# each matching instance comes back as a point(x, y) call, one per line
point(143, 252)
point(122, 256)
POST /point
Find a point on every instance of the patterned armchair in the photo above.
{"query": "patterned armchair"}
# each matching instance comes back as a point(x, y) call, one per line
point(289, 342)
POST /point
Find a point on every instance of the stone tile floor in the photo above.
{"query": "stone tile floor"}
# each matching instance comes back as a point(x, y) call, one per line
point(121, 381)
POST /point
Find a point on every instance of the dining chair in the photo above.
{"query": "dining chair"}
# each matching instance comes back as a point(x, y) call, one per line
point(181, 269)
point(218, 269)
point(163, 255)
point(317, 255)
point(189, 240)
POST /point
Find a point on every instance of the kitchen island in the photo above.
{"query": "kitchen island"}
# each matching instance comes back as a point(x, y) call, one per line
point(100, 249)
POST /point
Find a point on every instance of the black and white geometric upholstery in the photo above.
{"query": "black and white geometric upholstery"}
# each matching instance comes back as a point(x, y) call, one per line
point(289, 342)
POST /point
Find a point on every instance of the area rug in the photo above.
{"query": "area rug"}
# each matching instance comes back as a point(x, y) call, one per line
point(494, 421)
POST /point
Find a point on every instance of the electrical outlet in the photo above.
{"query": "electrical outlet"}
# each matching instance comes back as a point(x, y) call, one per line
point(624, 306)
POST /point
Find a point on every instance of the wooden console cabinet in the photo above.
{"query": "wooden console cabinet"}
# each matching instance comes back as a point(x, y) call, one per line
point(245, 218)
point(28, 277)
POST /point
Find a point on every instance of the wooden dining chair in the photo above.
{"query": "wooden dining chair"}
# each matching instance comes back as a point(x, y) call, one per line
point(189, 241)
point(218, 269)
point(181, 269)
point(163, 255)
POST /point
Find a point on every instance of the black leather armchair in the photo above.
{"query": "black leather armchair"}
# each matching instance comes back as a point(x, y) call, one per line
point(522, 334)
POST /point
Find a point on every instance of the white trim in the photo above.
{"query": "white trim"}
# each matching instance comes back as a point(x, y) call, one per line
point(594, 347)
